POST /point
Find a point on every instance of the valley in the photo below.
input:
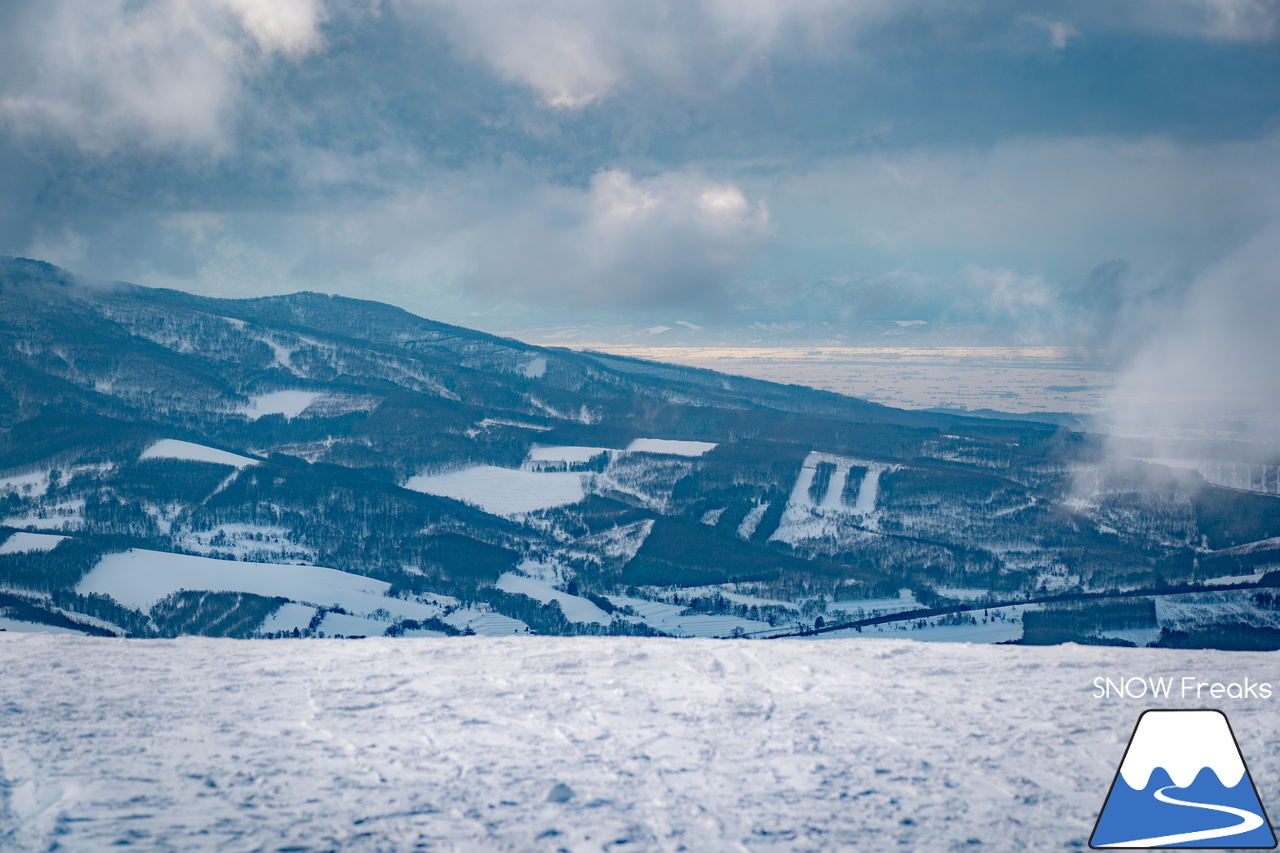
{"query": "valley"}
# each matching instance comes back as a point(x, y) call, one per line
point(309, 466)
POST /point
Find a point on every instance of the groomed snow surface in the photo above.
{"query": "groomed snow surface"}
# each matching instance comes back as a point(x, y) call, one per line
point(587, 744)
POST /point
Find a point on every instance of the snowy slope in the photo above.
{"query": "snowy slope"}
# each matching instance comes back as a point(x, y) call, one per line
point(139, 578)
point(502, 491)
point(459, 745)
point(171, 448)
point(26, 543)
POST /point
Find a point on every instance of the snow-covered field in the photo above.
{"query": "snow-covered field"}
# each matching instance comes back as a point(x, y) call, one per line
point(548, 744)
point(503, 491)
point(670, 446)
point(171, 448)
point(26, 543)
point(546, 453)
point(291, 404)
point(575, 608)
point(139, 578)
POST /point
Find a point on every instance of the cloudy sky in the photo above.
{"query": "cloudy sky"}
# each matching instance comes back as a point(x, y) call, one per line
point(1017, 171)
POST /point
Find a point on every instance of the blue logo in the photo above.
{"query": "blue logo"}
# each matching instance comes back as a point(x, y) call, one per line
point(1183, 783)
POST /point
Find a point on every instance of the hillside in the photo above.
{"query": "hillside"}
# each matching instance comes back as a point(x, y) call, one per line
point(305, 464)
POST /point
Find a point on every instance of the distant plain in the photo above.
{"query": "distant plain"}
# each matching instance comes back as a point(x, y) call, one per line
point(1021, 380)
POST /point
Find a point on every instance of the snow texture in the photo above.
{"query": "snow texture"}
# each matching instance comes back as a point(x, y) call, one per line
point(548, 744)
point(670, 446)
point(503, 491)
point(171, 448)
point(26, 543)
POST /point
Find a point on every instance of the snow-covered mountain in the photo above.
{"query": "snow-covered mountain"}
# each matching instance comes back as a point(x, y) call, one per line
point(172, 464)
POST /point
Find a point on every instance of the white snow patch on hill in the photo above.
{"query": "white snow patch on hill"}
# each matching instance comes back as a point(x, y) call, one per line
point(503, 491)
point(670, 446)
point(575, 608)
point(288, 617)
point(536, 368)
point(171, 448)
point(14, 626)
point(26, 543)
point(350, 625)
point(383, 744)
point(830, 521)
point(291, 404)
point(32, 485)
point(679, 621)
point(139, 578)
point(752, 519)
point(485, 624)
point(492, 422)
point(542, 453)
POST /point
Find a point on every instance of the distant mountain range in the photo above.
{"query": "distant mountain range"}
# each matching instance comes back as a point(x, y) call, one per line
point(306, 464)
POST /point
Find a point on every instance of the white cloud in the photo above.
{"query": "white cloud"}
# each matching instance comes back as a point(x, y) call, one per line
point(1060, 32)
point(573, 53)
point(1069, 203)
point(1210, 368)
point(1214, 20)
point(620, 241)
point(164, 75)
point(1227, 20)
point(675, 238)
point(287, 26)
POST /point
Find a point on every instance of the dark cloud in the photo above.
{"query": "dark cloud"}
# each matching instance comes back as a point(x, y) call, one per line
point(975, 164)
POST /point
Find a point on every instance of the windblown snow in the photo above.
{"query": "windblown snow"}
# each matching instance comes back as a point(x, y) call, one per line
point(548, 744)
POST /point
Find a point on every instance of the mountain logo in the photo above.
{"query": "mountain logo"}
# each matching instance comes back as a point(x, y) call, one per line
point(1183, 783)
